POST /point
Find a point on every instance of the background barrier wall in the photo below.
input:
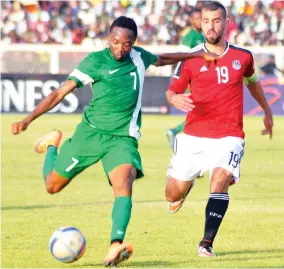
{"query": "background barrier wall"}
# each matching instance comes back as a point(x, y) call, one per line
point(20, 93)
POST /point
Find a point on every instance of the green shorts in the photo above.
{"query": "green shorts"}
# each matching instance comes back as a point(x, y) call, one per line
point(87, 146)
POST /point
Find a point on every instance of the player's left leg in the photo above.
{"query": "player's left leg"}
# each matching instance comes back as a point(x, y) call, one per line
point(122, 164)
point(225, 170)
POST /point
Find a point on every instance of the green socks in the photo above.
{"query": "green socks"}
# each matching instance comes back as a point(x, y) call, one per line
point(121, 213)
point(49, 162)
point(178, 128)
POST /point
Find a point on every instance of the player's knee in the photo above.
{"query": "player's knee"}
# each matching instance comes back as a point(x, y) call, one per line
point(122, 186)
point(52, 188)
point(171, 198)
point(123, 183)
point(172, 195)
point(220, 180)
point(55, 184)
point(219, 172)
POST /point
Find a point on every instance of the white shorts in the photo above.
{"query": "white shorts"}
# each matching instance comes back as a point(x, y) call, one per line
point(195, 155)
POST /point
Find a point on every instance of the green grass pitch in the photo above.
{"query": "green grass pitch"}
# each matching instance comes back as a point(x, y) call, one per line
point(251, 235)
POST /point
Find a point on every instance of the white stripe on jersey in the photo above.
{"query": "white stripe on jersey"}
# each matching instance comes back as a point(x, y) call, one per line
point(84, 78)
point(238, 46)
point(137, 60)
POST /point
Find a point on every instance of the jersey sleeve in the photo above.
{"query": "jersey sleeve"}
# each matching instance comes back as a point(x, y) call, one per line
point(147, 57)
point(250, 70)
point(181, 78)
point(85, 73)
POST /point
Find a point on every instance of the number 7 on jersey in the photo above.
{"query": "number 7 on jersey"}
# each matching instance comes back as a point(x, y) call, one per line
point(70, 167)
point(135, 79)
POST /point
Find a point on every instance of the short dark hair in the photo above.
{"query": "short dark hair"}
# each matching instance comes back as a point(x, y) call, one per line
point(125, 22)
point(214, 5)
point(194, 10)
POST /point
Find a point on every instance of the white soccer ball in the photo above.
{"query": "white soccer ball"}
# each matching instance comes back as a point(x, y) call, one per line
point(67, 244)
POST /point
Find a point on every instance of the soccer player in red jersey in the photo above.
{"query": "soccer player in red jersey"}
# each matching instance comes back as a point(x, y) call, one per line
point(213, 137)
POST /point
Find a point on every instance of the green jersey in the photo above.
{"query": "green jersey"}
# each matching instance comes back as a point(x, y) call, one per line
point(192, 38)
point(115, 108)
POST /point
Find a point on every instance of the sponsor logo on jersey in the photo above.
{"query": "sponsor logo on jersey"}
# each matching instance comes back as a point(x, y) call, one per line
point(203, 69)
point(236, 65)
point(113, 71)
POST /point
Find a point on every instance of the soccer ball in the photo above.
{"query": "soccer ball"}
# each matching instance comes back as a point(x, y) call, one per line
point(67, 244)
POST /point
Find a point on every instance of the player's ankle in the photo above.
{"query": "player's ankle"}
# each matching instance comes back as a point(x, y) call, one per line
point(205, 243)
point(51, 146)
point(116, 242)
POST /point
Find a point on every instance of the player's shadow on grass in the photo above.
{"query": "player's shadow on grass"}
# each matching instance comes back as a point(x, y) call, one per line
point(95, 203)
point(137, 264)
point(249, 251)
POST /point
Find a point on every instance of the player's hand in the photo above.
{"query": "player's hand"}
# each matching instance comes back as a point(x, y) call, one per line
point(268, 123)
point(20, 126)
point(182, 102)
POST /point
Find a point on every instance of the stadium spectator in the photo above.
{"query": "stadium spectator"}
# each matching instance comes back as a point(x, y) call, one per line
point(270, 68)
point(159, 22)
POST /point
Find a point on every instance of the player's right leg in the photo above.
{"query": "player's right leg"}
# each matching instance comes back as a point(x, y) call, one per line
point(186, 164)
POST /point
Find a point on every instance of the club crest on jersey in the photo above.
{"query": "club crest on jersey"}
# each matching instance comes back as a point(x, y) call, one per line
point(236, 65)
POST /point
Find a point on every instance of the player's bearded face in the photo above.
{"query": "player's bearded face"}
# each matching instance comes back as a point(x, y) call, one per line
point(121, 41)
point(213, 26)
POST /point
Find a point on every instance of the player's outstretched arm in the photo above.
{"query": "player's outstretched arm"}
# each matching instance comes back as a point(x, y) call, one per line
point(49, 102)
point(257, 93)
point(173, 58)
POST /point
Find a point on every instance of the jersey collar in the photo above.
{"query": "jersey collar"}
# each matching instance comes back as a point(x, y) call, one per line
point(225, 52)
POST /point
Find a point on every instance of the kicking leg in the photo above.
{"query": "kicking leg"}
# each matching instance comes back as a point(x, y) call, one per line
point(216, 208)
point(49, 144)
point(121, 178)
point(176, 192)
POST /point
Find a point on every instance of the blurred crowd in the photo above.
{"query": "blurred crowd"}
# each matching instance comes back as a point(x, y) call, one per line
point(87, 22)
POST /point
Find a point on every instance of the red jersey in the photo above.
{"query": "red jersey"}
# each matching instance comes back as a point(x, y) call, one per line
point(217, 92)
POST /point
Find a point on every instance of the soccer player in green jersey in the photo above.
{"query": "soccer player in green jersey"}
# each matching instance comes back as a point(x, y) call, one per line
point(193, 38)
point(110, 125)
